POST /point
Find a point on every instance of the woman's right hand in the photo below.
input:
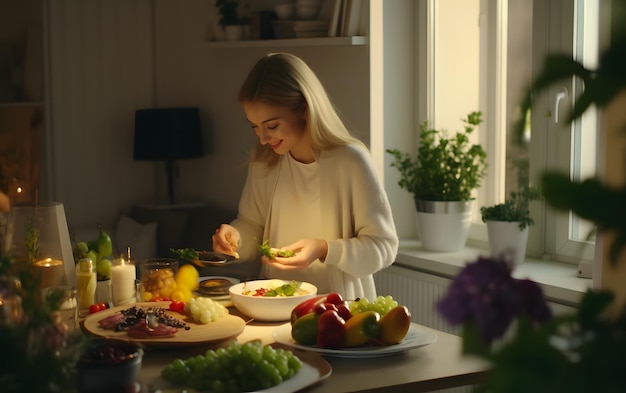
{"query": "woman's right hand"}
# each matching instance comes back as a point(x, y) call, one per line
point(226, 240)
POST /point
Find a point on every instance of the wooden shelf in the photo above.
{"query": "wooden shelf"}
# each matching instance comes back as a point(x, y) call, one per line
point(20, 103)
point(294, 42)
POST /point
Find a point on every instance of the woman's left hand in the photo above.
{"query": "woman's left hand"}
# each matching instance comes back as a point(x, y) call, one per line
point(307, 251)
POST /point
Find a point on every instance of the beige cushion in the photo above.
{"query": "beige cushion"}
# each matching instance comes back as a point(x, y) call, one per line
point(171, 223)
point(142, 238)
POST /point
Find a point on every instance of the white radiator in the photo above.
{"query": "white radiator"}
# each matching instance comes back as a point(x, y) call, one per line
point(418, 292)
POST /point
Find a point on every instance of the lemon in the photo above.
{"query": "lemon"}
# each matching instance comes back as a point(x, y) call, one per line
point(187, 278)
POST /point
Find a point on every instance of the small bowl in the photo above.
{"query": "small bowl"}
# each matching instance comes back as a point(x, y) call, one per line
point(109, 365)
point(214, 286)
point(271, 309)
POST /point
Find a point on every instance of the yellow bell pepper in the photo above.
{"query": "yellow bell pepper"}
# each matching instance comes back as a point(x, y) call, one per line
point(361, 328)
point(394, 325)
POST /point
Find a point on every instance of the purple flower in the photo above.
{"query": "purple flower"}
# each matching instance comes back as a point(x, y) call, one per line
point(484, 292)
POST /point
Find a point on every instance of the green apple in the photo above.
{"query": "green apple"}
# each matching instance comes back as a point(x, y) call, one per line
point(91, 254)
point(103, 268)
point(82, 247)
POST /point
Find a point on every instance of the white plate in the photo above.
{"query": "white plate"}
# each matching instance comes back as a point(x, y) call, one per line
point(314, 369)
point(416, 337)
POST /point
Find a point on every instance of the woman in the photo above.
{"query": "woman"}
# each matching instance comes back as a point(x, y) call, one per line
point(311, 187)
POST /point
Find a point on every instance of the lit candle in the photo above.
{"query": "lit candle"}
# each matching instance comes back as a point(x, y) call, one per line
point(50, 271)
point(123, 282)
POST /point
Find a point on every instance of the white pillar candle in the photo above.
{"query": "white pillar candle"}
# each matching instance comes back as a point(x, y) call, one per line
point(123, 282)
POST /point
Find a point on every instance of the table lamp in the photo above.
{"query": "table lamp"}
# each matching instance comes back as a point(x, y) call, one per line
point(37, 234)
point(168, 134)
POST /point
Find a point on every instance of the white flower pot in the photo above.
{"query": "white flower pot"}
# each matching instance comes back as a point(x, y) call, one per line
point(507, 241)
point(443, 226)
point(233, 32)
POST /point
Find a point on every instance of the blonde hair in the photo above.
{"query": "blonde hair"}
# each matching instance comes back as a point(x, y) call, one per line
point(286, 80)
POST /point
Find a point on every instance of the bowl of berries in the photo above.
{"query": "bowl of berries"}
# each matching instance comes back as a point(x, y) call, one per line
point(109, 365)
point(270, 300)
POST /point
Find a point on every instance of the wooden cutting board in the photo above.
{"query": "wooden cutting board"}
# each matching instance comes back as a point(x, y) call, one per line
point(225, 328)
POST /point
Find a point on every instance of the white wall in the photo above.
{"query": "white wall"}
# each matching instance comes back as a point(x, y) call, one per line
point(99, 70)
point(102, 69)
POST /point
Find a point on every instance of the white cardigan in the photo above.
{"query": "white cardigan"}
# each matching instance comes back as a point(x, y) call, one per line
point(356, 218)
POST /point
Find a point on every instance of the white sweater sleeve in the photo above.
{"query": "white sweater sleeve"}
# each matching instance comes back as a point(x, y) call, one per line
point(357, 215)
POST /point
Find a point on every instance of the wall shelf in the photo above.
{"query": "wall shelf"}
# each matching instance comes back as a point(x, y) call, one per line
point(293, 42)
point(12, 104)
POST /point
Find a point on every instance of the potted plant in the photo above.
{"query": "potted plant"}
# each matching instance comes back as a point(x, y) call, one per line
point(231, 24)
point(441, 178)
point(508, 223)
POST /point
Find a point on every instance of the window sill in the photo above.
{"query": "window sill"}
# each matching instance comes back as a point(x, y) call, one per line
point(558, 280)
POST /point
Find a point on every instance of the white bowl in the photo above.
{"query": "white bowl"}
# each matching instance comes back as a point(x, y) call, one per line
point(268, 308)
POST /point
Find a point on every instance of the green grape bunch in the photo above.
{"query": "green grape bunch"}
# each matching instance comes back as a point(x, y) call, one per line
point(382, 305)
point(246, 367)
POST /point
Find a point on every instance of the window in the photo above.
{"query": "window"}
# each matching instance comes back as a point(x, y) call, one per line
point(480, 54)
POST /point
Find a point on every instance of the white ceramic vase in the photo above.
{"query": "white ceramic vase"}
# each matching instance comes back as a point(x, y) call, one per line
point(443, 226)
point(233, 32)
point(507, 241)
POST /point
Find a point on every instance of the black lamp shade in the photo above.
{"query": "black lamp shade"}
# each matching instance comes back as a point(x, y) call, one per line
point(167, 134)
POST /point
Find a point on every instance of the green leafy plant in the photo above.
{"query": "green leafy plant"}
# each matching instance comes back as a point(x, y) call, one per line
point(515, 208)
point(228, 12)
point(447, 168)
point(32, 338)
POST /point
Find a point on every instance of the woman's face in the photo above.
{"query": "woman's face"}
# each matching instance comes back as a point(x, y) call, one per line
point(281, 128)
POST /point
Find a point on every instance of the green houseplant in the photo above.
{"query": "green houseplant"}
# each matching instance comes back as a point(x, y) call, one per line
point(228, 12)
point(507, 224)
point(513, 209)
point(230, 22)
point(441, 178)
point(446, 168)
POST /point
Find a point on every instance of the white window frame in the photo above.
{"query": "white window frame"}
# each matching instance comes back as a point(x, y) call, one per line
point(549, 237)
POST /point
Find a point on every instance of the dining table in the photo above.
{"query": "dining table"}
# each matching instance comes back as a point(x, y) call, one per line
point(438, 365)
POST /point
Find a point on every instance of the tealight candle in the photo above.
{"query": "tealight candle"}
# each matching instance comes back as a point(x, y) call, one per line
point(51, 272)
point(123, 277)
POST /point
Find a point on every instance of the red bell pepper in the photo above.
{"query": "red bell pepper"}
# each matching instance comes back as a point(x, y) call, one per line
point(334, 298)
point(306, 307)
point(331, 330)
point(344, 311)
point(309, 305)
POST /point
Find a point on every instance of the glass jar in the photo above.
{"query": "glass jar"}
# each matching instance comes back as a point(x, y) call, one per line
point(86, 284)
point(158, 278)
point(67, 311)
